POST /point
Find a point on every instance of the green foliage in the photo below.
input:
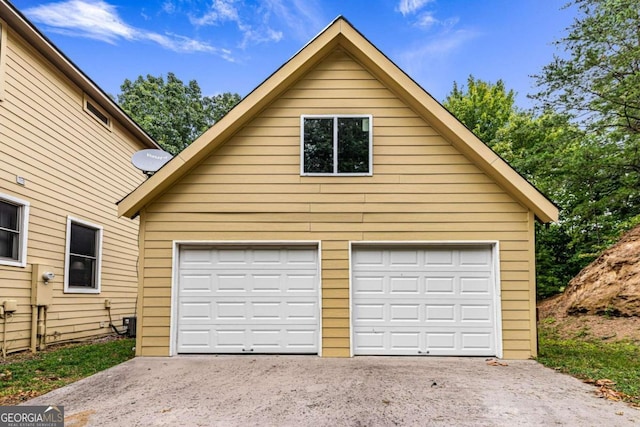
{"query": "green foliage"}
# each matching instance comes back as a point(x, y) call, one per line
point(55, 368)
point(172, 112)
point(598, 79)
point(596, 82)
point(483, 107)
point(594, 360)
point(584, 173)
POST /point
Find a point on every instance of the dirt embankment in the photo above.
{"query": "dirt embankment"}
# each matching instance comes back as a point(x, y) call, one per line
point(605, 296)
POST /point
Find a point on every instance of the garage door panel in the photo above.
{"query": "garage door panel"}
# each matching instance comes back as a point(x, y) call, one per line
point(476, 313)
point(260, 299)
point(421, 342)
point(440, 312)
point(256, 339)
point(440, 285)
point(404, 313)
point(369, 285)
point(477, 341)
point(424, 301)
point(195, 339)
point(197, 311)
point(224, 310)
point(476, 257)
point(441, 341)
point(197, 282)
point(404, 284)
point(475, 285)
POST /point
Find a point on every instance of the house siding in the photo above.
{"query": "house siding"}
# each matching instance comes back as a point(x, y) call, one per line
point(72, 166)
point(422, 189)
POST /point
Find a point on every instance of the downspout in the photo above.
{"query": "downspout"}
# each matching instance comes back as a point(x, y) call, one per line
point(44, 328)
point(34, 327)
point(4, 335)
point(40, 326)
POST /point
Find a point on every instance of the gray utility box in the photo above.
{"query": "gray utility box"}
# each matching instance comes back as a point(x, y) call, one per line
point(130, 324)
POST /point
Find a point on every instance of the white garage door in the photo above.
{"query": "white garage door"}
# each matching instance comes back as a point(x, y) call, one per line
point(435, 301)
point(247, 300)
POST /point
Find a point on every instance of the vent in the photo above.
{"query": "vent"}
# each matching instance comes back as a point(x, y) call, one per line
point(96, 112)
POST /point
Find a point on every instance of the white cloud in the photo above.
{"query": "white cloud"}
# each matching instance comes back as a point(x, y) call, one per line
point(168, 7)
point(219, 11)
point(304, 17)
point(426, 20)
point(253, 24)
point(435, 49)
point(100, 20)
point(407, 7)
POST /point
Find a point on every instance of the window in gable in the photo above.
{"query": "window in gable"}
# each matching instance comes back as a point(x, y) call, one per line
point(14, 220)
point(83, 257)
point(336, 145)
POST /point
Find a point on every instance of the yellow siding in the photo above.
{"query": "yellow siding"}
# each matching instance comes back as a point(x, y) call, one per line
point(72, 166)
point(422, 188)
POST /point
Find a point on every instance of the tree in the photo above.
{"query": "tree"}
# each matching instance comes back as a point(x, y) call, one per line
point(597, 83)
point(173, 113)
point(598, 80)
point(483, 107)
point(577, 169)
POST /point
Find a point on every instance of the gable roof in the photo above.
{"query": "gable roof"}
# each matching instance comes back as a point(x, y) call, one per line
point(21, 25)
point(341, 33)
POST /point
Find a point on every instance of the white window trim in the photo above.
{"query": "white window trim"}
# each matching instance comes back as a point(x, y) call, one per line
point(99, 229)
point(335, 145)
point(3, 55)
point(24, 231)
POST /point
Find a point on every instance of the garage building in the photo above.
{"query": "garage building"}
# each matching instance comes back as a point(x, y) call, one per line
point(338, 210)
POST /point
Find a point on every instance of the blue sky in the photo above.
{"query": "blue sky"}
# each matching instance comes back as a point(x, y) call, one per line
point(233, 45)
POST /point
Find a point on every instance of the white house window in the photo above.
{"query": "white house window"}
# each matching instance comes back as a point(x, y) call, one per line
point(14, 221)
point(83, 257)
point(336, 145)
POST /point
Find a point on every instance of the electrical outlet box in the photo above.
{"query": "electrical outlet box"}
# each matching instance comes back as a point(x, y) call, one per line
point(102, 324)
point(10, 305)
point(41, 292)
point(107, 303)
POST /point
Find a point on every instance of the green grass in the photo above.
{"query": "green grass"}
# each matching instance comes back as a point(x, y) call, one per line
point(28, 377)
point(589, 359)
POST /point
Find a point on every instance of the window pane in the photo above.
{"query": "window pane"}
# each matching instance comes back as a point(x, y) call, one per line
point(9, 244)
point(9, 216)
point(318, 145)
point(353, 145)
point(83, 240)
point(82, 271)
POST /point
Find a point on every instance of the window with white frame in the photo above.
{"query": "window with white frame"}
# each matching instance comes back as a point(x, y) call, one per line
point(14, 221)
point(336, 145)
point(83, 257)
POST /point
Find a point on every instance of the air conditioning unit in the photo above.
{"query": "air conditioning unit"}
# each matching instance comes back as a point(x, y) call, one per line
point(130, 324)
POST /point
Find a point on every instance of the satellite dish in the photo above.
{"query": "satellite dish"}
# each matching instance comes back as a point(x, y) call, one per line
point(149, 161)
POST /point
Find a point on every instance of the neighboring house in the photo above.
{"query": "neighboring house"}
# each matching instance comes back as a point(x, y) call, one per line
point(338, 210)
point(65, 150)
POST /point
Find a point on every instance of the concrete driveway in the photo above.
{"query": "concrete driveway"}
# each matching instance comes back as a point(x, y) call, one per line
point(307, 390)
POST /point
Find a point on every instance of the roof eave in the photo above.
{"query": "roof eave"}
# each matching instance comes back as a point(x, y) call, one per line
point(451, 128)
point(253, 103)
point(19, 23)
point(340, 32)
